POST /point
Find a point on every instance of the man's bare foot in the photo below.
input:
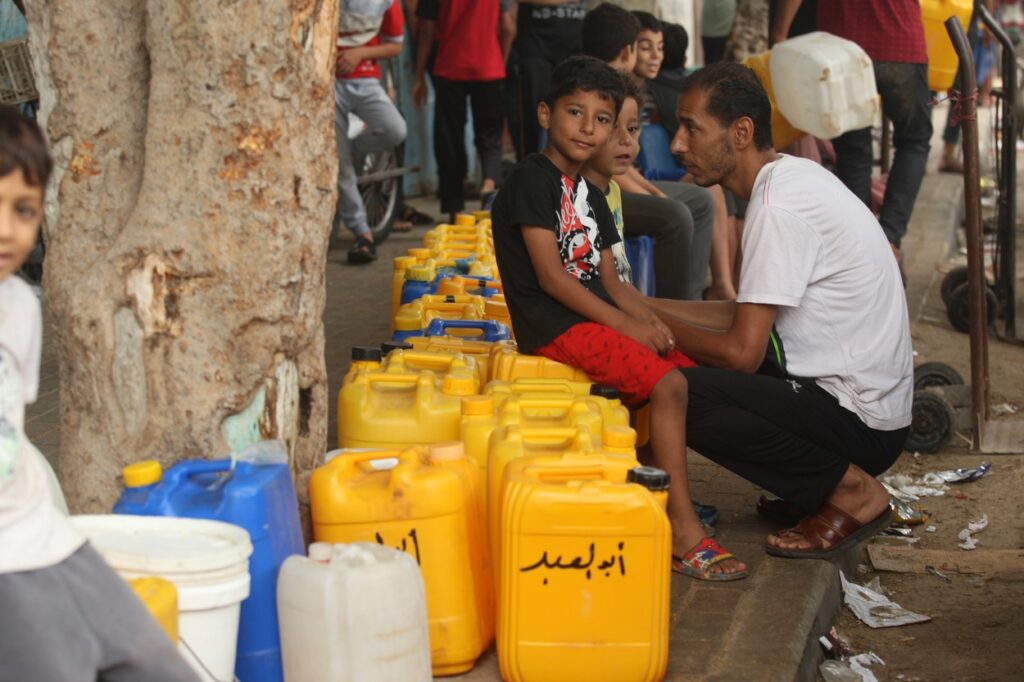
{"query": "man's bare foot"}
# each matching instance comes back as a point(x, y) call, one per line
point(858, 494)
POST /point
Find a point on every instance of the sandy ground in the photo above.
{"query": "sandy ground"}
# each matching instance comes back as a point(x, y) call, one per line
point(977, 626)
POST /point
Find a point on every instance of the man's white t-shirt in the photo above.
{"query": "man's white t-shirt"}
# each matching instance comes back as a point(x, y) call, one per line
point(34, 534)
point(816, 251)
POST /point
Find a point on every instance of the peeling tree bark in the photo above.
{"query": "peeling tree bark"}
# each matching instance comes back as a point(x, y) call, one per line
point(187, 227)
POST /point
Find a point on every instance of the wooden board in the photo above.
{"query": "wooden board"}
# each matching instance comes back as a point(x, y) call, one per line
point(996, 562)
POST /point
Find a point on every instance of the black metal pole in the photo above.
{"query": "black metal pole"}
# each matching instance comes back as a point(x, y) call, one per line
point(975, 249)
point(1007, 219)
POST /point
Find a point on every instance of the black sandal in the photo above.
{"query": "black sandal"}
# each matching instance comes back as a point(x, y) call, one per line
point(363, 251)
point(415, 217)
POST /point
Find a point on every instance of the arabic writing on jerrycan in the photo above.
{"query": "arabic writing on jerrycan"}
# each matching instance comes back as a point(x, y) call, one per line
point(584, 573)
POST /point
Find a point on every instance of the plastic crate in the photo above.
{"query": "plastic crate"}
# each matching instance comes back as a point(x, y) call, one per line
point(17, 84)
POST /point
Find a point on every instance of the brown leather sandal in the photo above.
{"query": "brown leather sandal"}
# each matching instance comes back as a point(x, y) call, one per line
point(830, 531)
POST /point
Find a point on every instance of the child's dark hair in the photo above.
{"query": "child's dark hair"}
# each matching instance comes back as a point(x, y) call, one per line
point(607, 29)
point(734, 91)
point(587, 74)
point(22, 146)
point(677, 40)
point(648, 22)
point(633, 87)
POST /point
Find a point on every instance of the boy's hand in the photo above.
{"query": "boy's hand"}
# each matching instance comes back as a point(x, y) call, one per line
point(419, 92)
point(657, 338)
point(348, 61)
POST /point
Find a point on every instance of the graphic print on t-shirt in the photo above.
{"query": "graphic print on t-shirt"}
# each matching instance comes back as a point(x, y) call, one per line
point(577, 232)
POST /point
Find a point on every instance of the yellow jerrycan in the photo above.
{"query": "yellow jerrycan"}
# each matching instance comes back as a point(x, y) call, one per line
point(615, 462)
point(606, 396)
point(482, 416)
point(462, 285)
point(783, 132)
point(495, 308)
point(420, 312)
point(508, 364)
point(406, 500)
point(510, 443)
point(584, 575)
point(401, 265)
point(474, 348)
point(439, 363)
point(395, 408)
point(943, 62)
point(160, 598)
point(364, 359)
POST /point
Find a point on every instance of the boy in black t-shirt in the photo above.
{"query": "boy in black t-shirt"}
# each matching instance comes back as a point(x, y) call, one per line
point(553, 235)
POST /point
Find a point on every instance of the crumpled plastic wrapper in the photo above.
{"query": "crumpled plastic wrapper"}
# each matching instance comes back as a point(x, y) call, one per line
point(906, 513)
point(967, 540)
point(961, 475)
point(874, 609)
point(854, 669)
point(905, 488)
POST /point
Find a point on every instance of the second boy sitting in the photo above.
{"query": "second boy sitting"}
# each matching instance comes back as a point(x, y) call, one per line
point(553, 235)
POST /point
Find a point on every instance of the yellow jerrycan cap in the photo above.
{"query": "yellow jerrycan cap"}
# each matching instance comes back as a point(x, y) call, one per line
point(452, 451)
point(465, 219)
point(419, 273)
point(404, 262)
point(478, 405)
point(618, 437)
point(141, 474)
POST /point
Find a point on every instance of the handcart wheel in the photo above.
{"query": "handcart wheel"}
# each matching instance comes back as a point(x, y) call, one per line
point(933, 419)
point(951, 281)
point(957, 308)
point(935, 374)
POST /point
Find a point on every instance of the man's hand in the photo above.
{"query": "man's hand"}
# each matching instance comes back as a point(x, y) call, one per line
point(348, 61)
point(419, 92)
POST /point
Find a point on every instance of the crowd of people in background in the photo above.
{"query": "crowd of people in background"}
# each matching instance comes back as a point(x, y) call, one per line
point(491, 62)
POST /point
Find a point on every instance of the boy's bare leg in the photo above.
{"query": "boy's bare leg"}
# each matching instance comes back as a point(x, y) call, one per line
point(668, 440)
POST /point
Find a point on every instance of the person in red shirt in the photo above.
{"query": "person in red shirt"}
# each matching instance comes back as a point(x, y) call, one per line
point(472, 39)
point(369, 30)
point(892, 34)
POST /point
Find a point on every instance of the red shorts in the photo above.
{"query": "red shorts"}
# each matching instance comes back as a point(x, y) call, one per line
point(614, 359)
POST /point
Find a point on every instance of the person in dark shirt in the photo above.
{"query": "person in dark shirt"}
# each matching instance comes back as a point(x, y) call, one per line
point(553, 235)
point(668, 83)
point(547, 33)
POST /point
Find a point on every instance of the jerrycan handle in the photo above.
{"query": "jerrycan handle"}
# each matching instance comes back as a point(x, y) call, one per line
point(582, 472)
point(489, 329)
point(576, 437)
point(356, 460)
point(196, 467)
point(432, 360)
point(546, 401)
point(401, 378)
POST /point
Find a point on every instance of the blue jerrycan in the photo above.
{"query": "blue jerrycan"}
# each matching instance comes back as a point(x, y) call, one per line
point(258, 497)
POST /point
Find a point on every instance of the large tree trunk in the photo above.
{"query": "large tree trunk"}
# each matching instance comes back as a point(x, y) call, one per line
point(187, 227)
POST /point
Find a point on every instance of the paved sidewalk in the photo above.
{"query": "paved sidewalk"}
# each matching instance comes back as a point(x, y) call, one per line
point(761, 628)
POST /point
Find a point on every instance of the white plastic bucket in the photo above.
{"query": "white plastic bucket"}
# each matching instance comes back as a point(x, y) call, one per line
point(208, 562)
